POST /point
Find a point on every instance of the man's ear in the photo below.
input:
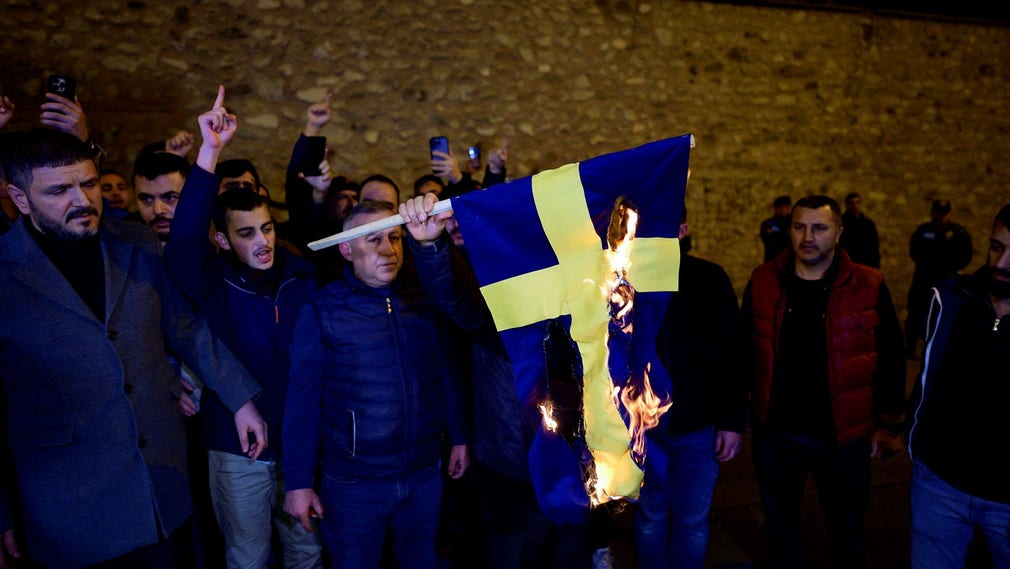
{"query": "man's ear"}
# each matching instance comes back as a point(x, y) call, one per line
point(20, 198)
point(345, 249)
point(222, 241)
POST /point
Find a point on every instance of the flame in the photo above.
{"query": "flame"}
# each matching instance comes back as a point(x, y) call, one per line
point(644, 410)
point(596, 493)
point(619, 291)
point(547, 410)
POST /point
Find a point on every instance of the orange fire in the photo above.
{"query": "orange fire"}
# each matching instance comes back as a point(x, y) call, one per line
point(547, 410)
point(644, 410)
point(643, 406)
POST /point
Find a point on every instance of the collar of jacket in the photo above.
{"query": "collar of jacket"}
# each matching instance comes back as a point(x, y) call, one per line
point(838, 274)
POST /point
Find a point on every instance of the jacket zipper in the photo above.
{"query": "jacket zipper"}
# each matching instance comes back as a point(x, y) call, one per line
point(354, 433)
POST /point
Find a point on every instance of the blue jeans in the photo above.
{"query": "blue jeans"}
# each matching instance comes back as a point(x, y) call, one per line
point(944, 521)
point(671, 517)
point(842, 480)
point(357, 512)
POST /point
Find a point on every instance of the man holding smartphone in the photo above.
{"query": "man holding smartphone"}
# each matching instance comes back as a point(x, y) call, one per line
point(458, 182)
point(62, 111)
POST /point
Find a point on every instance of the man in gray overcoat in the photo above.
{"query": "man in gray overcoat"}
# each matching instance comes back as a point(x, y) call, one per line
point(95, 456)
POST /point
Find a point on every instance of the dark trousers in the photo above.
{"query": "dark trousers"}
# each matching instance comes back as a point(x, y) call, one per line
point(919, 297)
point(166, 554)
point(842, 479)
point(358, 510)
point(517, 533)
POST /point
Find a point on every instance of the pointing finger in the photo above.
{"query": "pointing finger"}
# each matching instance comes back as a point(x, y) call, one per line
point(220, 97)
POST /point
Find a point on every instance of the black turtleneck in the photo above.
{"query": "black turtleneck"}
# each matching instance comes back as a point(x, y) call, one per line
point(81, 263)
point(801, 396)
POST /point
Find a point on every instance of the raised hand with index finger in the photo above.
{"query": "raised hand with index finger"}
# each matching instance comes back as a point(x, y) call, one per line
point(218, 126)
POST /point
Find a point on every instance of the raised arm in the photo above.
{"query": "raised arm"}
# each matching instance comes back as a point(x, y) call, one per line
point(307, 179)
point(190, 256)
point(496, 161)
point(180, 143)
point(63, 114)
point(446, 278)
point(68, 116)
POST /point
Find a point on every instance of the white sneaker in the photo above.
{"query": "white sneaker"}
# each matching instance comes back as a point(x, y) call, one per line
point(604, 559)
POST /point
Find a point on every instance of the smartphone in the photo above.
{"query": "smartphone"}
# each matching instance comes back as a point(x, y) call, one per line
point(474, 152)
point(439, 143)
point(63, 85)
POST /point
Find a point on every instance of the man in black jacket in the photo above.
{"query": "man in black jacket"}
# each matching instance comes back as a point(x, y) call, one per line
point(959, 406)
point(939, 249)
point(859, 237)
point(701, 344)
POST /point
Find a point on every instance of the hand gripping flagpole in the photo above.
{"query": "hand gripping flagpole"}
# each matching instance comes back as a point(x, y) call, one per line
point(372, 227)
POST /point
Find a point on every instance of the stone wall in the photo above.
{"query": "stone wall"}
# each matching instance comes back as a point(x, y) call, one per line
point(780, 101)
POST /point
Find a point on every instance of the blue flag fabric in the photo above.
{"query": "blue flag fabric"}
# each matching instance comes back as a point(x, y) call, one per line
point(538, 246)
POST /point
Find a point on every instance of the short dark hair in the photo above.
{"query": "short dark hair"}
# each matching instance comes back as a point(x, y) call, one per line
point(367, 207)
point(851, 196)
point(236, 199)
point(23, 152)
point(1003, 217)
point(383, 179)
point(940, 206)
point(782, 201)
point(236, 167)
point(111, 172)
point(341, 183)
point(150, 166)
point(151, 148)
point(817, 201)
point(428, 178)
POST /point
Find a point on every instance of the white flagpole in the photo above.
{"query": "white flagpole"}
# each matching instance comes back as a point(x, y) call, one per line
point(372, 227)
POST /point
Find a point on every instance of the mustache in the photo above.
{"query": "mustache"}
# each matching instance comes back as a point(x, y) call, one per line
point(80, 212)
point(158, 218)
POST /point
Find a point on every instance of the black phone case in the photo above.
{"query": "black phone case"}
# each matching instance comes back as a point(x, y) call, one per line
point(63, 86)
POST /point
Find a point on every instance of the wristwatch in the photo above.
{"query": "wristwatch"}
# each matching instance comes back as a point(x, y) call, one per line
point(96, 152)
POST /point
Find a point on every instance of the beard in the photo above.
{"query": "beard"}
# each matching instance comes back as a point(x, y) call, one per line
point(63, 230)
point(998, 287)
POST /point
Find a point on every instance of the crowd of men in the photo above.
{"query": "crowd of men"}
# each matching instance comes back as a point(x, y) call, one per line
point(179, 370)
